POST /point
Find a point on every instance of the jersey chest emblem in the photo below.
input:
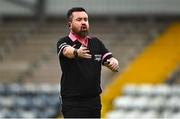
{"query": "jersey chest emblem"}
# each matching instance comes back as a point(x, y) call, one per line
point(97, 57)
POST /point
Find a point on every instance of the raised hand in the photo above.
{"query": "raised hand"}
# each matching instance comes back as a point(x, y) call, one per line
point(83, 52)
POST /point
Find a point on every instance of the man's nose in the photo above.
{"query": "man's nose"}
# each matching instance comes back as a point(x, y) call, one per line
point(83, 22)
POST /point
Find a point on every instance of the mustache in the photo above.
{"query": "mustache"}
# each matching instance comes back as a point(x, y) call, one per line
point(83, 26)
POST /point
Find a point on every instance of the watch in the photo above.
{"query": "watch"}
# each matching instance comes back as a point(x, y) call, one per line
point(75, 53)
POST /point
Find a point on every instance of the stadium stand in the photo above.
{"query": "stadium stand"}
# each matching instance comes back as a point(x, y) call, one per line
point(147, 101)
point(163, 58)
point(29, 100)
point(21, 98)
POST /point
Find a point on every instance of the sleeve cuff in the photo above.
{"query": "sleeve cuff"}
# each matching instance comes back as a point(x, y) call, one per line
point(106, 56)
point(61, 48)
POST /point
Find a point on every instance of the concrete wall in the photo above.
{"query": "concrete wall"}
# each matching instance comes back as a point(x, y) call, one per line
point(98, 7)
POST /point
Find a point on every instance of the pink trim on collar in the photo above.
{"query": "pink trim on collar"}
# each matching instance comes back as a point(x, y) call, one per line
point(74, 37)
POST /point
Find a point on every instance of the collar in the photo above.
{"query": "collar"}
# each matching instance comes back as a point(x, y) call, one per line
point(75, 37)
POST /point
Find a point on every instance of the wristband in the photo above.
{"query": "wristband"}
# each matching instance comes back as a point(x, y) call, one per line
point(75, 53)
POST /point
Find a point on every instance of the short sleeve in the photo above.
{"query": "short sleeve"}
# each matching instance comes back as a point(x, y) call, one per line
point(61, 44)
point(105, 52)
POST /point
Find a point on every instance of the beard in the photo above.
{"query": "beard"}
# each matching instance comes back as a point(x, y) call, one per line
point(82, 32)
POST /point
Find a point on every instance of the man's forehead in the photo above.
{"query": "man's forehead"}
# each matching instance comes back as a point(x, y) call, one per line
point(80, 14)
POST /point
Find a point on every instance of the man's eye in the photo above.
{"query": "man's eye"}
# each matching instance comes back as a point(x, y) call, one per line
point(78, 19)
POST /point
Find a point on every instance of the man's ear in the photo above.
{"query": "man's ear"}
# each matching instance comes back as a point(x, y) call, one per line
point(69, 24)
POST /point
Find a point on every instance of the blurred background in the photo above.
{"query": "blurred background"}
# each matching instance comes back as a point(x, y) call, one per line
point(144, 35)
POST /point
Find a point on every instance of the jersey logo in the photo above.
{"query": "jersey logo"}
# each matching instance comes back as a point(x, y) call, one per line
point(97, 57)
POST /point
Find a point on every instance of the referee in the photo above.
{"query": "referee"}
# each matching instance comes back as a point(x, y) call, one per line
point(81, 57)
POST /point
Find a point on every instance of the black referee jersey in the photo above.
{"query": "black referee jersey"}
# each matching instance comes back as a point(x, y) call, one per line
point(80, 76)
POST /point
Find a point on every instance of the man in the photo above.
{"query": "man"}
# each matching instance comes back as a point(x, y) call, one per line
point(81, 57)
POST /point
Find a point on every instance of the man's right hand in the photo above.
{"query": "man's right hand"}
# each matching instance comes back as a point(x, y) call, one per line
point(83, 52)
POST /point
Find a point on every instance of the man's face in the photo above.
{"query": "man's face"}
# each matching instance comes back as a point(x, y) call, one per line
point(79, 23)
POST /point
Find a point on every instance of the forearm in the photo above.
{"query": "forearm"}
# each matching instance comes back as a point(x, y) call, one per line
point(69, 52)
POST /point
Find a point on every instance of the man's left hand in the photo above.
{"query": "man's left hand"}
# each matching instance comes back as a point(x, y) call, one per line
point(112, 64)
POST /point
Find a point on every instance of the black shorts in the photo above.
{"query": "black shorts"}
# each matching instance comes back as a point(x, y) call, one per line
point(81, 107)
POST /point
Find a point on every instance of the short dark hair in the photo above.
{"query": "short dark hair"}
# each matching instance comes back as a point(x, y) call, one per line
point(74, 9)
